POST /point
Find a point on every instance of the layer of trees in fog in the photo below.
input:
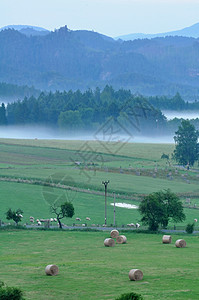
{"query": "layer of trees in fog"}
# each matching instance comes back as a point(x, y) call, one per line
point(90, 109)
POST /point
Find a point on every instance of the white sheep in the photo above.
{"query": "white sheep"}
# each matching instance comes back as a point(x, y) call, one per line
point(196, 220)
point(87, 218)
point(39, 223)
point(137, 225)
point(131, 225)
point(55, 220)
point(51, 219)
point(78, 219)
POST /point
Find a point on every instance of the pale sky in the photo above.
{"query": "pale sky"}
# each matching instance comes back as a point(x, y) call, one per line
point(109, 17)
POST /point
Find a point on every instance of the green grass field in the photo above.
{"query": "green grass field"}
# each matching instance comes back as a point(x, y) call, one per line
point(133, 170)
point(88, 270)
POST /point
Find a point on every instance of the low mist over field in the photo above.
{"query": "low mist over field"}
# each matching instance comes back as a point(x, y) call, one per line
point(180, 114)
point(36, 132)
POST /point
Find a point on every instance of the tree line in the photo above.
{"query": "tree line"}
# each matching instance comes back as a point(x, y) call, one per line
point(85, 110)
point(88, 110)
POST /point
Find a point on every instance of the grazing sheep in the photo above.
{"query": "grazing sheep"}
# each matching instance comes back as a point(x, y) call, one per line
point(51, 219)
point(39, 223)
point(87, 218)
point(137, 225)
point(196, 220)
point(83, 225)
point(131, 225)
point(37, 220)
point(78, 219)
point(55, 220)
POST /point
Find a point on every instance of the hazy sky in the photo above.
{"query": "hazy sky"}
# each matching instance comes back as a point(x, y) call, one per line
point(110, 17)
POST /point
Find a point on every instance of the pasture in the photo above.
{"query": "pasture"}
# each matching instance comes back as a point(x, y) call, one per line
point(89, 270)
point(77, 169)
point(34, 174)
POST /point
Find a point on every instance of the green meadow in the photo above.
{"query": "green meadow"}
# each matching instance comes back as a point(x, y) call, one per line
point(37, 173)
point(89, 270)
point(132, 169)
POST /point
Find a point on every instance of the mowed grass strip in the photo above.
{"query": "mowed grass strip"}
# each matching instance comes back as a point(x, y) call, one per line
point(88, 270)
point(120, 183)
point(141, 150)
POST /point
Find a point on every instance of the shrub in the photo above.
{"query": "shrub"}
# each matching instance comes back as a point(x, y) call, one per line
point(190, 228)
point(10, 293)
point(130, 296)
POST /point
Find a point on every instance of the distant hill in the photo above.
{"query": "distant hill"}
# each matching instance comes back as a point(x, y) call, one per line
point(66, 59)
point(191, 31)
point(27, 29)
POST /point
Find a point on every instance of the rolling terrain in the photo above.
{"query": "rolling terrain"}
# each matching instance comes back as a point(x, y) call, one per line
point(66, 59)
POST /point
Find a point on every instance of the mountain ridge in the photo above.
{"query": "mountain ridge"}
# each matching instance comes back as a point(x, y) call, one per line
point(66, 59)
point(28, 30)
point(190, 31)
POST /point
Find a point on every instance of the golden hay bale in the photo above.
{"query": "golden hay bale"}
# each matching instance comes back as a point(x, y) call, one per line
point(51, 270)
point(166, 239)
point(135, 274)
point(121, 239)
point(180, 243)
point(114, 233)
point(109, 242)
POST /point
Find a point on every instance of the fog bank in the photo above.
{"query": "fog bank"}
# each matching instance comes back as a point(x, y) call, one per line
point(40, 132)
point(180, 114)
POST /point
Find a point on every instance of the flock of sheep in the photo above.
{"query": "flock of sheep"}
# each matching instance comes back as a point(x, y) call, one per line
point(40, 221)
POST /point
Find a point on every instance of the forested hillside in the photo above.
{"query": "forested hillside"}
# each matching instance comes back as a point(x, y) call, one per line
point(65, 59)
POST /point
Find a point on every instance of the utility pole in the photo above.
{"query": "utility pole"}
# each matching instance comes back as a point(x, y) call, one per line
point(105, 186)
point(114, 209)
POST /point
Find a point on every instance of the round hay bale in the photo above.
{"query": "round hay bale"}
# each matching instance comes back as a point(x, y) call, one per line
point(51, 270)
point(180, 243)
point(114, 233)
point(166, 239)
point(135, 274)
point(121, 239)
point(109, 242)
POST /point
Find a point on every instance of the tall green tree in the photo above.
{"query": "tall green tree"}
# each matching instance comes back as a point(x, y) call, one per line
point(65, 210)
point(159, 208)
point(14, 215)
point(186, 139)
point(70, 120)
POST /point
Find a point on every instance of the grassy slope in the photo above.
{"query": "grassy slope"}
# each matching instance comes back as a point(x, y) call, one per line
point(41, 159)
point(88, 270)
